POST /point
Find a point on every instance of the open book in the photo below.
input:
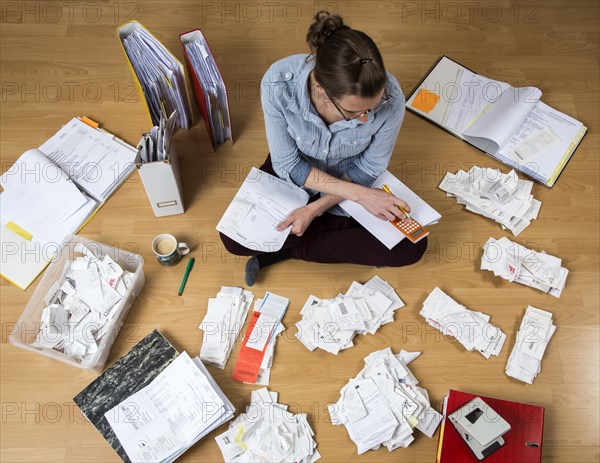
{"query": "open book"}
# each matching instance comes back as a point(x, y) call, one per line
point(510, 124)
point(51, 191)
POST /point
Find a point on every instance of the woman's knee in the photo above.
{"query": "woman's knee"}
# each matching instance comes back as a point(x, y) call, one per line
point(234, 247)
point(419, 251)
point(410, 253)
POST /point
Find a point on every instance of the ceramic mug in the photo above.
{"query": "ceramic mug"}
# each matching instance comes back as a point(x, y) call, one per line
point(167, 250)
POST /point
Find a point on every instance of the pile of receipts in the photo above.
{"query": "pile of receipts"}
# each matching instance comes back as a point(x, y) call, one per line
point(534, 334)
point(331, 324)
point(471, 329)
point(255, 359)
point(82, 305)
point(382, 405)
point(514, 262)
point(225, 316)
point(488, 192)
point(268, 432)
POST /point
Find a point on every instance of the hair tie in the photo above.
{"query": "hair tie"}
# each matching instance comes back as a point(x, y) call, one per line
point(365, 60)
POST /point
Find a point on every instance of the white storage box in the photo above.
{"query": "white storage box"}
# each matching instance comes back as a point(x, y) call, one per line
point(29, 324)
point(162, 183)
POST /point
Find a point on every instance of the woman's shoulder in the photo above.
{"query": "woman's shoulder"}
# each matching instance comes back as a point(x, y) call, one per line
point(393, 88)
point(286, 68)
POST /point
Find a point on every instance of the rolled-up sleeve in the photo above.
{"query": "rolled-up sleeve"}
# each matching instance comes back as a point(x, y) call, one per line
point(288, 161)
point(372, 162)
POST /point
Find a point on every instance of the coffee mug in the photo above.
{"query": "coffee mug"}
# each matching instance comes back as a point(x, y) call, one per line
point(167, 250)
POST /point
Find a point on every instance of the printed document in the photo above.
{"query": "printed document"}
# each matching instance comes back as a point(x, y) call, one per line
point(262, 202)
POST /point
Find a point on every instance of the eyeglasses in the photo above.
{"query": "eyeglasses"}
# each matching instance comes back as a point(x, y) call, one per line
point(384, 99)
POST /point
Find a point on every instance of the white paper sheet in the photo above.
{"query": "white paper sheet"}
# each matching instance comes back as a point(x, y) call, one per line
point(262, 202)
point(384, 231)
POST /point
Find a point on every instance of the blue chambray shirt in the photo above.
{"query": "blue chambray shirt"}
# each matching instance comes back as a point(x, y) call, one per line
point(299, 139)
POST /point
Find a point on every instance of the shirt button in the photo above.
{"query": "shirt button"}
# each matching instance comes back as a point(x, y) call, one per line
point(298, 138)
point(354, 142)
point(287, 75)
point(325, 151)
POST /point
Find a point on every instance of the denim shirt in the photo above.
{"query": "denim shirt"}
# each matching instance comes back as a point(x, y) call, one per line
point(299, 139)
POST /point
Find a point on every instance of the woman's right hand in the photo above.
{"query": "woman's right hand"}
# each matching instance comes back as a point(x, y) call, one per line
point(382, 205)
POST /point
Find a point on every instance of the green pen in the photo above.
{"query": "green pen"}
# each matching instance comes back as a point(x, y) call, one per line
point(185, 276)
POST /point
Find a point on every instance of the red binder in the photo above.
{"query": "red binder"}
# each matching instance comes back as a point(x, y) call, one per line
point(189, 36)
point(523, 441)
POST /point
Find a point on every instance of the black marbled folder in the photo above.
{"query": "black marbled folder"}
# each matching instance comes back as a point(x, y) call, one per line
point(132, 372)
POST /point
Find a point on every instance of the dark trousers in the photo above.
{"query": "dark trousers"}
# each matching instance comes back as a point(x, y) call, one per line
point(332, 239)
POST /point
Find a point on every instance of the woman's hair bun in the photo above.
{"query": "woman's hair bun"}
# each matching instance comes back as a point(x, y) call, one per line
point(325, 24)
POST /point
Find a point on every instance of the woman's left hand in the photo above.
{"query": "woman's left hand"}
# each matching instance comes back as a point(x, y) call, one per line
point(299, 219)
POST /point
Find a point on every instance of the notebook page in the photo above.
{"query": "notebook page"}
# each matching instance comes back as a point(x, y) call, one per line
point(502, 119)
point(93, 159)
point(556, 131)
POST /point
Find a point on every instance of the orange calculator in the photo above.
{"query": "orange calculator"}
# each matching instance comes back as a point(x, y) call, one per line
point(410, 228)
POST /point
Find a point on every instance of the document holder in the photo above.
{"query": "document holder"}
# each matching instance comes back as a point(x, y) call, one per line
point(162, 183)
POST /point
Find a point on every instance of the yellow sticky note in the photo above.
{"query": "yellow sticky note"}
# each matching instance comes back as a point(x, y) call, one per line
point(425, 100)
point(19, 231)
point(89, 122)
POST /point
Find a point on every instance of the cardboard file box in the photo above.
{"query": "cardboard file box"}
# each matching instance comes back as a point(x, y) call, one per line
point(162, 183)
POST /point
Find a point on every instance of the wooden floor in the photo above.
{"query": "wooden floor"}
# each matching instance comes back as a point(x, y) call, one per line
point(62, 59)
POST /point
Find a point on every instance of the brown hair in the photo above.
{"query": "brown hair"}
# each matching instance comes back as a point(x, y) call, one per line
point(347, 61)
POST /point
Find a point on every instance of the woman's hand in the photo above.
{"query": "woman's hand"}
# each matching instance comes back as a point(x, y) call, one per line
point(382, 205)
point(299, 219)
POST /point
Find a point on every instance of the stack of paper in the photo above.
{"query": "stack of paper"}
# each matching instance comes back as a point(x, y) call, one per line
point(50, 192)
point(222, 324)
point(525, 361)
point(165, 418)
point(501, 197)
point(160, 75)
point(155, 145)
point(82, 305)
point(255, 359)
point(383, 404)
point(331, 324)
point(268, 432)
point(207, 73)
point(46, 191)
point(471, 329)
point(95, 160)
point(40, 200)
point(514, 262)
